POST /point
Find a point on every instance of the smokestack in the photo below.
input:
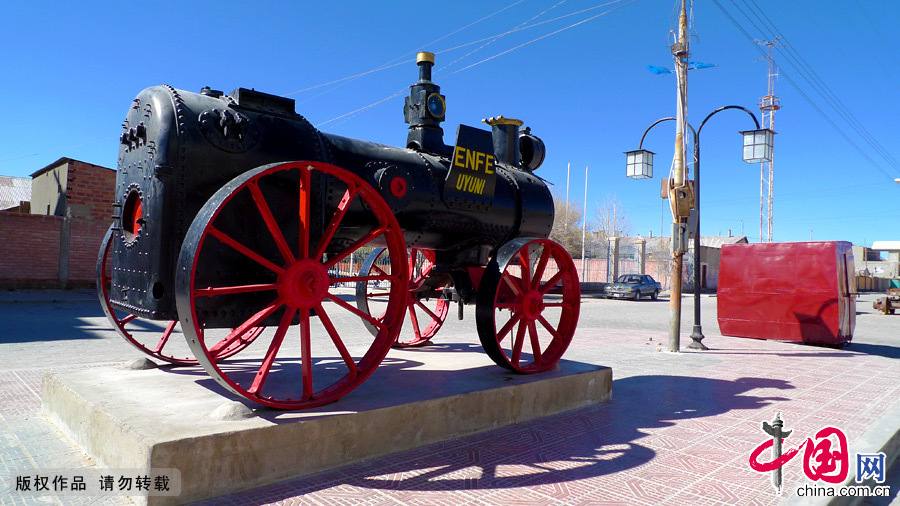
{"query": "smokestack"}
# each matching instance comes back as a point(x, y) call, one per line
point(505, 133)
point(425, 61)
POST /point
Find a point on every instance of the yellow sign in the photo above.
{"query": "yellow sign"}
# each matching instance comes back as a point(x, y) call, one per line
point(476, 162)
point(472, 172)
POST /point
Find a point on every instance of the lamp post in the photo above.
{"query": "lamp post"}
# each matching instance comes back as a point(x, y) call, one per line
point(757, 146)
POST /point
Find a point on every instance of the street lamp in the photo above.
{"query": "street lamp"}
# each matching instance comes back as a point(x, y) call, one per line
point(639, 164)
point(758, 146)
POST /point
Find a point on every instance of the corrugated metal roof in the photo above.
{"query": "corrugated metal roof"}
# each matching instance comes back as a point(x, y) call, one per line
point(13, 191)
point(714, 241)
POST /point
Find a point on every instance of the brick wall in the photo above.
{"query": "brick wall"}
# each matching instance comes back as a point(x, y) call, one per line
point(90, 191)
point(84, 244)
point(29, 250)
point(32, 246)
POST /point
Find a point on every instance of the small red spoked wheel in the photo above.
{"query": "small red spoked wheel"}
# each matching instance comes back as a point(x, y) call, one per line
point(530, 287)
point(265, 251)
point(155, 343)
point(426, 316)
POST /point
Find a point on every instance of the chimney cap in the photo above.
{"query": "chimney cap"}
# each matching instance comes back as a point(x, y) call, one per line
point(424, 56)
point(500, 120)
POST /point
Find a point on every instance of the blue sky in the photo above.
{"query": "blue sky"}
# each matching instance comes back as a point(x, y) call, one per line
point(72, 70)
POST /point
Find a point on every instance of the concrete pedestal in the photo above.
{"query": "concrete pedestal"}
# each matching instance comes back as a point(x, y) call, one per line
point(179, 418)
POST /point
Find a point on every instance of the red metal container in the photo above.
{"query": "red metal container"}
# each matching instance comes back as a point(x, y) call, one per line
point(795, 291)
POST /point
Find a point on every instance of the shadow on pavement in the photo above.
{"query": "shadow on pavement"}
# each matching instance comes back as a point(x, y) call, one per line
point(27, 323)
point(881, 350)
point(590, 442)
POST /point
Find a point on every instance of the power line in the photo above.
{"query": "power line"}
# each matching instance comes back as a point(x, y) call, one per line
point(806, 97)
point(816, 83)
point(484, 60)
point(813, 77)
point(393, 64)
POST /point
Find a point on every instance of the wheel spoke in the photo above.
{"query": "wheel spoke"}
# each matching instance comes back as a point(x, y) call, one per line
point(240, 248)
point(552, 282)
point(272, 352)
point(514, 286)
point(517, 344)
point(525, 267)
point(535, 343)
point(263, 207)
point(335, 222)
point(127, 319)
point(429, 312)
point(549, 327)
point(229, 290)
point(165, 337)
point(305, 221)
point(355, 246)
point(541, 266)
point(507, 328)
point(379, 269)
point(240, 330)
point(415, 321)
point(305, 355)
point(340, 302)
point(336, 339)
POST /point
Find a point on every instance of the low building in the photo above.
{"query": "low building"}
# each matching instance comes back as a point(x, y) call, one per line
point(54, 240)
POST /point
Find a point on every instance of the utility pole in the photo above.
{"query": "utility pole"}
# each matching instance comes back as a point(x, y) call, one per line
point(584, 224)
point(767, 107)
point(679, 192)
point(568, 172)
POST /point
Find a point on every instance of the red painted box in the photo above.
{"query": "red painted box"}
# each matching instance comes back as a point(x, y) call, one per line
point(794, 291)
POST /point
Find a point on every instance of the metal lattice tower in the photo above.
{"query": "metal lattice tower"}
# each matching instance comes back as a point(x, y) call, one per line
point(768, 104)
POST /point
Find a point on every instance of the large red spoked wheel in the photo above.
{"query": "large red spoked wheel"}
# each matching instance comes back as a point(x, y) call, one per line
point(530, 288)
point(426, 316)
point(256, 253)
point(140, 333)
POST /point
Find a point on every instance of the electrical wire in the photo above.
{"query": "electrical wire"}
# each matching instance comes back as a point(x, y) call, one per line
point(495, 39)
point(537, 39)
point(393, 64)
point(527, 43)
point(809, 73)
point(800, 90)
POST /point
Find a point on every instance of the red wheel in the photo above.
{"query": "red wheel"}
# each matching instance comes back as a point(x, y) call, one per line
point(143, 334)
point(426, 314)
point(530, 287)
point(264, 251)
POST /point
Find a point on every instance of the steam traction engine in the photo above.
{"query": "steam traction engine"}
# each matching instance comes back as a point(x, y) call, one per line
point(234, 215)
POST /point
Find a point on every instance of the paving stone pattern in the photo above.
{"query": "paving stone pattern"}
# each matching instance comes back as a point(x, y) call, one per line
point(679, 429)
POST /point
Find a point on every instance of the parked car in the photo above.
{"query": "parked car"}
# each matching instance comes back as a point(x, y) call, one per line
point(633, 286)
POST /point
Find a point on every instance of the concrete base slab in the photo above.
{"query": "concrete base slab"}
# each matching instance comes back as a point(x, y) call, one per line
point(179, 418)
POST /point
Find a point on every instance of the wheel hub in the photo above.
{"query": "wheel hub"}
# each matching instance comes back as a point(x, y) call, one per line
point(304, 284)
point(532, 304)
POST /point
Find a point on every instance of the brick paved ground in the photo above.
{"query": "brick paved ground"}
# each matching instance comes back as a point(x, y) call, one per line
point(678, 431)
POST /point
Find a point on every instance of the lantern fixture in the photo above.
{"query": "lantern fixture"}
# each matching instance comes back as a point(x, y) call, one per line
point(639, 164)
point(758, 145)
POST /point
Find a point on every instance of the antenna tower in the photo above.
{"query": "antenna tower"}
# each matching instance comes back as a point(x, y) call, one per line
point(768, 104)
